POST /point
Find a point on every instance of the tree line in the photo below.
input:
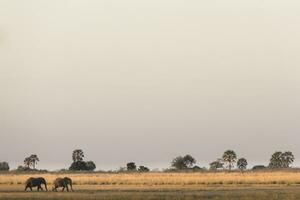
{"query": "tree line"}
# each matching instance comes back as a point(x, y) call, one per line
point(228, 161)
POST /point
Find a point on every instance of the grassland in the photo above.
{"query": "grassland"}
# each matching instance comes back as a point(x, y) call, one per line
point(204, 185)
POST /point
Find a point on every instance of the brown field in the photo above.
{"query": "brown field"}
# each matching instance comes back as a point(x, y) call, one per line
point(207, 185)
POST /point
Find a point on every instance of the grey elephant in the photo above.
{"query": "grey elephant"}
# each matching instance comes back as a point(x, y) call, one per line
point(35, 182)
point(62, 182)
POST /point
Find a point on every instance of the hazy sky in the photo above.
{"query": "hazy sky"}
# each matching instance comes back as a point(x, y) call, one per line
point(146, 81)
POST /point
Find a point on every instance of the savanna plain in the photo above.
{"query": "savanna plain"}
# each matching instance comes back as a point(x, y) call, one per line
point(250, 185)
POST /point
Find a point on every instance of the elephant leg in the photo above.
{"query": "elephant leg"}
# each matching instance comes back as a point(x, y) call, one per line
point(71, 188)
point(67, 188)
point(63, 188)
point(30, 188)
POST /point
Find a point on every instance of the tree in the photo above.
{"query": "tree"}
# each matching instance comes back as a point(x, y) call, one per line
point(229, 157)
point(27, 162)
point(90, 165)
point(189, 161)
point(79, 164)
point(131, 166)
point(242, 164)
point(218, 164)
point(281, 160)
point(143, 169)
point(287, 159)
point(178, 163)
point(77, 155)
point(34, 160)
point(4, 166)
point(31, 161)
point(276, 160)
point(182, 163)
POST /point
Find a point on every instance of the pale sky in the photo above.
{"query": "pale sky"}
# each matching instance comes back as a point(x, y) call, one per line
point(145, 81)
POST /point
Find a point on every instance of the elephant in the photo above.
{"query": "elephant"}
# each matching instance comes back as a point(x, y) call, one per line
point(35, 182)
point(62, 182)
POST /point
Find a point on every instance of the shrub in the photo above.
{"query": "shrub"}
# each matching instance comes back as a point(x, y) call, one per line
point(90, 165)
point(78, 166)
point(143, 169)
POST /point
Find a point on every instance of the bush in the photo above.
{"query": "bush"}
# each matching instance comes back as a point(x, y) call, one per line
point(143, 169)
point(78, 166)
point(90, 165)
point(22, 168)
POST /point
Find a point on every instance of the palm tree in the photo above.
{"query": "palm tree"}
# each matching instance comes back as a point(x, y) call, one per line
point(229, 157)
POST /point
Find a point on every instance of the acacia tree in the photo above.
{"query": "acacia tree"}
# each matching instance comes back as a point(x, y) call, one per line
point(229, 157)
point(242, 164)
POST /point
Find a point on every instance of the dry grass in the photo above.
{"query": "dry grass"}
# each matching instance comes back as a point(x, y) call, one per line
point(164, 179)
point(167, 186)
